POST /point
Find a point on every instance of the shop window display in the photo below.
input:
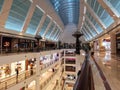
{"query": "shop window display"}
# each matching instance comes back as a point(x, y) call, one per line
point(95, 46)
point(5, 71)
point(106, 43)
point(1, 71)
point(45, 59)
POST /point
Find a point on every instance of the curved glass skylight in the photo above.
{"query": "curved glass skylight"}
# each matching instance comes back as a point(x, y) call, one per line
point(68, 10)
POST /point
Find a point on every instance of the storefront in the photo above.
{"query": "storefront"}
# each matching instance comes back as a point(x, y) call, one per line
point(9, 69)
point(96, 45)
point(44, 59)
point(106, 44)
point(13, 44)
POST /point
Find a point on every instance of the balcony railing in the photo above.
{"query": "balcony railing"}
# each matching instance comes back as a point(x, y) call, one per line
point(22, 50)
point(14, 79)
point(48, 80)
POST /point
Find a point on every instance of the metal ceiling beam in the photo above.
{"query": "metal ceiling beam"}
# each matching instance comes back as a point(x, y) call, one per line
point(29, 16)
point(109, 8)
point(5, 11)
point(40, 24)
point(95, 16)
point(91, 24)
point(47, 28)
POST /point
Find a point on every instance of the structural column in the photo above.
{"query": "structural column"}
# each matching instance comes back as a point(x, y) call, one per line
point(37, 73)
point(60, 70)
point(113, 43)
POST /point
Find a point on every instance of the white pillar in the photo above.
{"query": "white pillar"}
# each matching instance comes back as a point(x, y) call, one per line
point(64, 60)
point(113, 43)
point(37, 73)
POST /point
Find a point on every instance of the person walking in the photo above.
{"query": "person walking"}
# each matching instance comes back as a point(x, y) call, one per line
point(17, 73)
point(31, 69)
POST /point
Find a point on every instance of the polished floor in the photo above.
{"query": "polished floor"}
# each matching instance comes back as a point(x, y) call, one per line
point(110, 65)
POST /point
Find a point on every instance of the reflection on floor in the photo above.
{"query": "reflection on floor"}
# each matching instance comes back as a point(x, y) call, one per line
point(110, 65)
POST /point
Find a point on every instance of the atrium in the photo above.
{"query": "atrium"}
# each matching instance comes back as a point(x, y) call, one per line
point(59, 44)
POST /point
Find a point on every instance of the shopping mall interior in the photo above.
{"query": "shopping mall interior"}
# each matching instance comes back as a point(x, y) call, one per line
point(59, 44)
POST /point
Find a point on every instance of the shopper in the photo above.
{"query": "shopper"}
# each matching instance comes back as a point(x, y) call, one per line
point(92, 51)
point(17, 73)
point(31, 69)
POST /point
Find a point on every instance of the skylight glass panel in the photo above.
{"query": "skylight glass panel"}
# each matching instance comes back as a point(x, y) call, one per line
point(88, 34)
point(57, 32)
point(35, 20)
point(56, 35)
point(17, 15)
point(52, 36)
point(101, 12)
point(1, 4)
point(85, 36)
point(115, 4)
point(97, 26)
point(57, 38)
point(50, 30)
point(45, 24)
point(90, 28)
